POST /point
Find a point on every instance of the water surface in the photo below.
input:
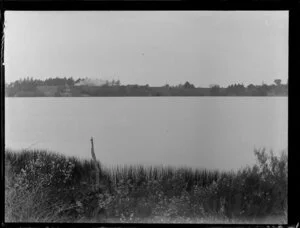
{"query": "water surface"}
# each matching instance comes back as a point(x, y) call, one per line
point(199, 132)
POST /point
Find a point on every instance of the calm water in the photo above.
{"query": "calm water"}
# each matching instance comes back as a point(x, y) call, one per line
point(204, 132)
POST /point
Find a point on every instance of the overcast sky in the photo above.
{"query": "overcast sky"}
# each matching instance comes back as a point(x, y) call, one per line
point(149, 47)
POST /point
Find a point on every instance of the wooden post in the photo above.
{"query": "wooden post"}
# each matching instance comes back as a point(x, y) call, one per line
point(95, 163)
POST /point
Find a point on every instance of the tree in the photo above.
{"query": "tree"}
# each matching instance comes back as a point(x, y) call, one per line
point(236, 89)
point(251, 86)
point(70, 81)
point(263, 90)
point(214, 90)
point(277, 82)
point(187, 85)
point(78, 80)
point(252, 90)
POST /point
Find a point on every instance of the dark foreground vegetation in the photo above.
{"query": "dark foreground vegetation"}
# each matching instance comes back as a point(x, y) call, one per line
point(57, 87)
point(41, 186)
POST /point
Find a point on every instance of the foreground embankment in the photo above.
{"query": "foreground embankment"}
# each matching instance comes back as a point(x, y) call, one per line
point(42, 186)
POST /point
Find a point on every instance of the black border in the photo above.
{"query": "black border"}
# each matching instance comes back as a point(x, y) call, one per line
point(148, 5)
point(293, 116)
point(293, 6)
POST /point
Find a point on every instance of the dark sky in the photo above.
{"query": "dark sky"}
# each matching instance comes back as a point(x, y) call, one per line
point(149, 47)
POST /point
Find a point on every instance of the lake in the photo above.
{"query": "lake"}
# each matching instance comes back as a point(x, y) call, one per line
point(198, 132)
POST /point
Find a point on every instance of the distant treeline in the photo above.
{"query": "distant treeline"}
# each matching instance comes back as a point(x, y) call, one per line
point(56, 87)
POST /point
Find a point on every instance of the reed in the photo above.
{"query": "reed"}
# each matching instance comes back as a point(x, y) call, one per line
point(60, 188)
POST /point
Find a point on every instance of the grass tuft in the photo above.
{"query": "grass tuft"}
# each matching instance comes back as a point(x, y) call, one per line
point(43, 186)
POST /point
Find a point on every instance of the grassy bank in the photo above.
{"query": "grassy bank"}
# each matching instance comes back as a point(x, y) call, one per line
point(42, 186)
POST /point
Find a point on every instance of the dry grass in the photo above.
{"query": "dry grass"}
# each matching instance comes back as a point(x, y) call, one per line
point(48, 187)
